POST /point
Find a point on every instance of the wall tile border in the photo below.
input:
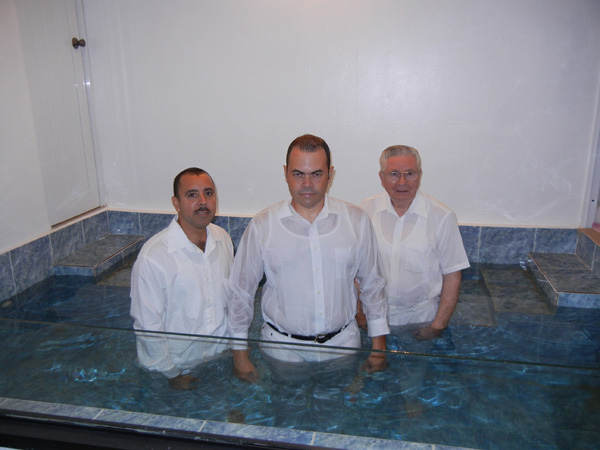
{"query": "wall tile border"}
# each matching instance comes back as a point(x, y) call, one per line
point(26, 265)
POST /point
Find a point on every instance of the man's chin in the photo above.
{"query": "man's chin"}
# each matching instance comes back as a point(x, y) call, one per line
point(204, 219)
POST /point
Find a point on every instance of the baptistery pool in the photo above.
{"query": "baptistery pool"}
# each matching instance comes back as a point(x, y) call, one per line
point(509, 373)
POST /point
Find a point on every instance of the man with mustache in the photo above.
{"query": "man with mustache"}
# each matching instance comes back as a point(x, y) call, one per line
point(420, 245)
point(311, 247)
point(179, 284)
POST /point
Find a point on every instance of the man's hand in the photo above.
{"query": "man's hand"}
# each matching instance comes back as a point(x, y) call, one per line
point(243, 367)
point(185, 382)
point(376, 362)
point(361, 320)
point(427, 333)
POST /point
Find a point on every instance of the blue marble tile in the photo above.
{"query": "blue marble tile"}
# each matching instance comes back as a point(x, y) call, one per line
point(585, 249)
point(95, 227)
point(472, 287)
point(499, 245)
point(555, 240)
point(513, 277)
point(150, 420)
point(120, 241)
point(108, 266)
point(151, 223)
point(222, 221)
point(237, 226)
point(473, 309)
point(55, 409)
point(470, 237)
point(32, 263)
point(125, 417)
point(574, 280)
point(173, 423)
point(66, 241)
point(123, 222)
point(528, 303)
point(133, 248)
point(269, 434)
point(558, 261)
point(579, 300)
point(544, 284)
point(74, 271)
point(340, 441)
point(7, 281)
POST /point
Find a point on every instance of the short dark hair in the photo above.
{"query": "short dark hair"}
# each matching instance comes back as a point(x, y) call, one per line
point(190, 171)
point(309, 143)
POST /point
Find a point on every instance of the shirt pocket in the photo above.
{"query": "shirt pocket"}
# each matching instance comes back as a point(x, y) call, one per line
point(418, 258)
point(345, 263)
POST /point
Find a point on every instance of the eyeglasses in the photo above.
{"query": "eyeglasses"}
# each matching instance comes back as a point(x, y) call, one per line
point(409, 175)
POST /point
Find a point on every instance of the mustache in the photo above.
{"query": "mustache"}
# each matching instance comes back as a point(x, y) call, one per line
point(203, 209)
point(308, 191)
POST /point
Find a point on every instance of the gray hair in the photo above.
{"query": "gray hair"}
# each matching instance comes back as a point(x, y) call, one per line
point(399, 150)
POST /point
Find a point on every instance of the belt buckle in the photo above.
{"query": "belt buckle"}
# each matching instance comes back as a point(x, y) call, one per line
point(321, 338)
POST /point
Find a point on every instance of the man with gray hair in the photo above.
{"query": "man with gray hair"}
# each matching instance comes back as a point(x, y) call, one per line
point(420, 245)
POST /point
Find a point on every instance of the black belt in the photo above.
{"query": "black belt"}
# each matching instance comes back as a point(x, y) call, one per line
point(319, 338)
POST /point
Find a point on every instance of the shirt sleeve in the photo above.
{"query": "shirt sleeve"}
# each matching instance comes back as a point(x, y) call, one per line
point(371, 281)
point(148, 304)
point(451, 249)
point(246, 273)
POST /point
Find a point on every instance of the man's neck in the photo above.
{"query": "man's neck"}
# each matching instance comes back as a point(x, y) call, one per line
point(197, 236)
point(401, 208)
point(309, 214)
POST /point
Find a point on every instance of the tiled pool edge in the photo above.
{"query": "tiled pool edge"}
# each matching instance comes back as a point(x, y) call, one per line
point(200, 427)
point(33, 262)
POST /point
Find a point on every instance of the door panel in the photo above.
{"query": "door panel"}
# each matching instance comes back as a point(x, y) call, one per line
point(59, 99)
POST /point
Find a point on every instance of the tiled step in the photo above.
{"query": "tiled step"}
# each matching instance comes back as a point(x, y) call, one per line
point(100, 258)
point(566, 279)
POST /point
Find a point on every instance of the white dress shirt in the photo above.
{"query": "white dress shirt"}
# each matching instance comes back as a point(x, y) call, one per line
point(176, 287)
point(309, 269)
point(416, 249)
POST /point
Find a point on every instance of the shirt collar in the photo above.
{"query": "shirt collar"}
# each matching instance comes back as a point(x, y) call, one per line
point(178, 240)
point(287, 210)
point(418, 206)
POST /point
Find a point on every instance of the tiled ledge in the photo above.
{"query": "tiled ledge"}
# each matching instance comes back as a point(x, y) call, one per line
point(101, 257)
point(566, 280)
point(175, 426)
point(33, 262)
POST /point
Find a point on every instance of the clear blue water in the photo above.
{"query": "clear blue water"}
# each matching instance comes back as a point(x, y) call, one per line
point(508, 373)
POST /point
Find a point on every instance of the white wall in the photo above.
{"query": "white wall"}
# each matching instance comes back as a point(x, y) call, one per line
point(23, 214)
point(500, 97)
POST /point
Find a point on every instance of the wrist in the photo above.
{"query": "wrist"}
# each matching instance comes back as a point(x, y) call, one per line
point(438, 326)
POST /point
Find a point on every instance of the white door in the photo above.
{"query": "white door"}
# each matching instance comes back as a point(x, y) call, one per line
point(60, 107)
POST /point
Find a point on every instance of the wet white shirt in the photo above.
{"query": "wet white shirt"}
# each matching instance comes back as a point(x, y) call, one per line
point(310, 270)
point(417, 249)
point(175, 287)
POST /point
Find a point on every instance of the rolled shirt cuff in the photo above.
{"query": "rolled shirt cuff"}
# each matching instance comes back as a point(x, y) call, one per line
point(378, 327)
point(238, 344)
